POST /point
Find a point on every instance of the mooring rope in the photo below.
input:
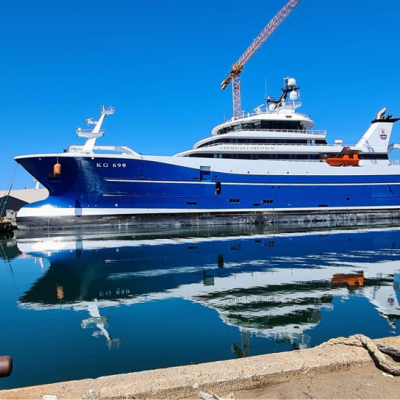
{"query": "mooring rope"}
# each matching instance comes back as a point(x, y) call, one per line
point(375, 350)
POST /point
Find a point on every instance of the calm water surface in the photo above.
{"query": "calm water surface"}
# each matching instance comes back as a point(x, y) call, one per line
point(86, 304)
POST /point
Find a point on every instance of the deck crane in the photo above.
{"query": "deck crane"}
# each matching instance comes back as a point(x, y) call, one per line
point(237, 68)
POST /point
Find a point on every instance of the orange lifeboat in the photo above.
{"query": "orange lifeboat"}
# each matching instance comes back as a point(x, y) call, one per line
point(344, 160)
point(349, 279)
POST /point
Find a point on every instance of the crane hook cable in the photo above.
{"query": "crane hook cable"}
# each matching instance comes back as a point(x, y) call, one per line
point(7, 192)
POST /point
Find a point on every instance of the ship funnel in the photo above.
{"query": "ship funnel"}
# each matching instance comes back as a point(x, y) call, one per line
point(377, 137)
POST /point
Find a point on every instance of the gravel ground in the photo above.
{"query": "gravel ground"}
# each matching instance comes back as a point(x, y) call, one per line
point(357, 382)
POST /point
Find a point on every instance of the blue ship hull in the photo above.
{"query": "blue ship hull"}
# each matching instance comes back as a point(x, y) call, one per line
point(117, 189)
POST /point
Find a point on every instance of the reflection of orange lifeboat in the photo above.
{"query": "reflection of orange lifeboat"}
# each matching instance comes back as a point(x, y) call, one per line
point(349, 279)
point(344, 160)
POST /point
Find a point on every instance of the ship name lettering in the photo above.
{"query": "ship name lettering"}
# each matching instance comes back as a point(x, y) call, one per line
point(247, 147)
point(102, 165)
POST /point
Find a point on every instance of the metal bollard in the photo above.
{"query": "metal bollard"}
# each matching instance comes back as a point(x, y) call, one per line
point(6, 366)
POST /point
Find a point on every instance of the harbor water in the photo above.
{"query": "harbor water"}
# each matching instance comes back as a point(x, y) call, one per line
point(86, 304)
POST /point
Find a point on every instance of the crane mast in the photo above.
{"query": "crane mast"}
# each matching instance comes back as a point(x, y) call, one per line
point(237, 68)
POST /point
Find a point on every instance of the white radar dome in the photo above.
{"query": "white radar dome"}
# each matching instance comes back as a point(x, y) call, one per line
point(291, 82)
point(294, 95)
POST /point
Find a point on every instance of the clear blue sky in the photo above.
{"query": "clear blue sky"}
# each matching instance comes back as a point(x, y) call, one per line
point(160, 63)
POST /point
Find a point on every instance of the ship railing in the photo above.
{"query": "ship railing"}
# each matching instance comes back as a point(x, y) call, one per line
point(265, 110)
point(118, 149)
point(304, 132)
point(277, 159)
point(272, 144)
point(297, 160)
point(303, 115)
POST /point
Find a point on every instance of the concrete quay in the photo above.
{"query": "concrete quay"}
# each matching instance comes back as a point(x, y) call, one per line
point(325, 371)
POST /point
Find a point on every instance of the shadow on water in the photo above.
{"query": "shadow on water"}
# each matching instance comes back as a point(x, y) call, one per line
point(278, 289)
point(154, 232)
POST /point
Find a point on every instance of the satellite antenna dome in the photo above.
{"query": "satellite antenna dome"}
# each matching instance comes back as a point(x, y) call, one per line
point(293, 95)
point(291, 82)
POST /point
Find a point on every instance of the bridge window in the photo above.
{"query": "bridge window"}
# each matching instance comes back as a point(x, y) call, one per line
point(373, 156)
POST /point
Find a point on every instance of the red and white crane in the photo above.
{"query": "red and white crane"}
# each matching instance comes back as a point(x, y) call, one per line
point(237, 68)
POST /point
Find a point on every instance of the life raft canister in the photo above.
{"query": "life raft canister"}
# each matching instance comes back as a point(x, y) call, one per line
point(57, 169)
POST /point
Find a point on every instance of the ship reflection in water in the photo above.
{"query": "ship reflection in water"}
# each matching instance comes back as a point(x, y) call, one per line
point(269, 292)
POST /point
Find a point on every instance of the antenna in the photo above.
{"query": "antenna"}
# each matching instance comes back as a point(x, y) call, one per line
point(96, 132)
point(110, 110)
point(265, 92)
point(91, 122)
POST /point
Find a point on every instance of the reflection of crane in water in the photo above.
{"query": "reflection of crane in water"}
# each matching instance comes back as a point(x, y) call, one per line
point(101, 322)
point(245, 351)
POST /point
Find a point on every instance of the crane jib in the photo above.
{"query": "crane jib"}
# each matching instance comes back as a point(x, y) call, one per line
point(237, 68)
point(268, 31)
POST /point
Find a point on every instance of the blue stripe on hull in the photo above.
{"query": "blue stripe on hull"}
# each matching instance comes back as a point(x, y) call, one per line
point(88, 183)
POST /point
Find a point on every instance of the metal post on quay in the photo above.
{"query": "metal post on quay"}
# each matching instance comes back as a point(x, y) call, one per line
point(6, 366)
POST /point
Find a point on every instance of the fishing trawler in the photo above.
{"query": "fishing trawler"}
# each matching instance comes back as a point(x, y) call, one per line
point(256, 167)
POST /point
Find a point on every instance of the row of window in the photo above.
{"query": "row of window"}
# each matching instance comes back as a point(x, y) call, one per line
point(284, 125)
point(237, 201)
point(373, 156)
point(258, 156)
point(281, 156)
point(262, 141)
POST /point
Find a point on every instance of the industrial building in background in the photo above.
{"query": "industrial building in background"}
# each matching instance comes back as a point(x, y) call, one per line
point(12, 201)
